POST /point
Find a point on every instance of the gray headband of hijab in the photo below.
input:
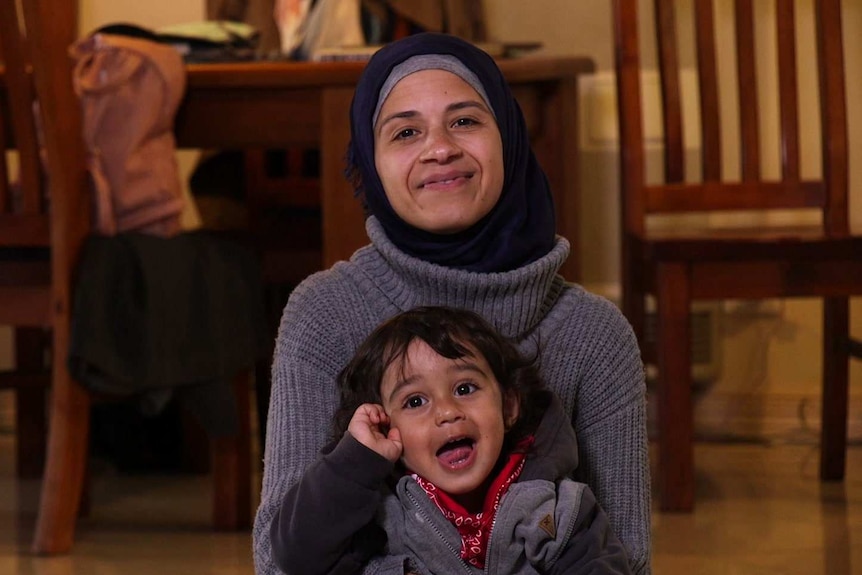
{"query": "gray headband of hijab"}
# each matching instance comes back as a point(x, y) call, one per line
point(429, 62)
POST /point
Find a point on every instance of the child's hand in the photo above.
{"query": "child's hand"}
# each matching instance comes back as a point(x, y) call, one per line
point(369, 427)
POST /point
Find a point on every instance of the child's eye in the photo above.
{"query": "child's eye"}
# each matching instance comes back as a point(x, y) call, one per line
point(414, 401)
point(465, 389)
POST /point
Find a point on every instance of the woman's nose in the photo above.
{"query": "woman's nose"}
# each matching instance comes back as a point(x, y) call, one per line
point(440, 147)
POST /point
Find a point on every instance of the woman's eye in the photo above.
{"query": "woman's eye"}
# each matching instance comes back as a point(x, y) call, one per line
point(465, 122)
point(414, 402)
point(465, 389)
point(405, 133)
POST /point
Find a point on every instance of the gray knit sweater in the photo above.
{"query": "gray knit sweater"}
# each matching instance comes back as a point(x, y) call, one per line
point(589, 357)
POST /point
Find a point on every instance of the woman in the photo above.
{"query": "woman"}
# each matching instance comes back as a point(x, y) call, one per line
point(460, 214)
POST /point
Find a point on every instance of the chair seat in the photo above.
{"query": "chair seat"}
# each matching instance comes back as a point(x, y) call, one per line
point(759, 264)
point(24, 230)
point(25, 290)
point(749, 244)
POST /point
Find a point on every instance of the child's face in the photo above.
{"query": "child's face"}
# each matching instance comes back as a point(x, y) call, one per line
point(451, 416)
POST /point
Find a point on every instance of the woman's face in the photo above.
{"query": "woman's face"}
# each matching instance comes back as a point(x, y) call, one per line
point(438, 152)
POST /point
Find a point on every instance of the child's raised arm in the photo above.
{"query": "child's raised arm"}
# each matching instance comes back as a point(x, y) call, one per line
point(325, 522)
point(370, 427)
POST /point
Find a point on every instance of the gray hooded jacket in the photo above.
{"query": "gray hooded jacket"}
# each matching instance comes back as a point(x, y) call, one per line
point(546, 522)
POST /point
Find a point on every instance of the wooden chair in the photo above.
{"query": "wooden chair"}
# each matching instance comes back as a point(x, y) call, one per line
point(680, 267)
point(41, 294)
point(25, 269)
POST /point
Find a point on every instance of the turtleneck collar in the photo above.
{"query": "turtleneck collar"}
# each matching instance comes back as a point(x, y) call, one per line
point(513, 301)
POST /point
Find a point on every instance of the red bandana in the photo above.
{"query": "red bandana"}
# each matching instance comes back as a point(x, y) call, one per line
point(475, 528)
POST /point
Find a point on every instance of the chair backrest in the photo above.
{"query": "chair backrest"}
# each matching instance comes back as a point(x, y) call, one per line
point(23, 214)
point(750, 190)
point(36, 35)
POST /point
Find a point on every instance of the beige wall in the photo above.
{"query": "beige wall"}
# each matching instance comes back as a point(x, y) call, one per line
point(564, 26)
point(152, 13)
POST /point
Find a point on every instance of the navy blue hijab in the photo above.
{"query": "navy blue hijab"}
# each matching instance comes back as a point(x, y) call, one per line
point(518, 230)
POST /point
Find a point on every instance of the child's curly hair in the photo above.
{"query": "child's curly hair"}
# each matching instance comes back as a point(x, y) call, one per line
point(452, 333)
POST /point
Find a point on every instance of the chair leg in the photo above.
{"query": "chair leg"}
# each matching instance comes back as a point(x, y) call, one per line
point(231, 465)
point(833, 435)
point(633, 305)
point(62, 485)
point(675, 416)
point(30, 403)
point(30, 431)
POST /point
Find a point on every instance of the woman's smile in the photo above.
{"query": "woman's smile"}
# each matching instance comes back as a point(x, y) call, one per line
point(446, 180)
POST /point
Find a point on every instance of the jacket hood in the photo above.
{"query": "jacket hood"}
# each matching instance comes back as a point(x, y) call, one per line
point(555, 451)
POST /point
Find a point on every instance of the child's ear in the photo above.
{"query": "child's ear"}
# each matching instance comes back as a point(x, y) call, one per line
point(511, 409)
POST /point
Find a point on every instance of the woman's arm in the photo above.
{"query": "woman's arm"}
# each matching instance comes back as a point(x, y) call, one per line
point(314, 342)
point(612, 435)
point(598, 374)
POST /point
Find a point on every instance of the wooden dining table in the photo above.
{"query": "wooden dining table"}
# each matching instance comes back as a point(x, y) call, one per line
point(245, 105)
point(273, 104)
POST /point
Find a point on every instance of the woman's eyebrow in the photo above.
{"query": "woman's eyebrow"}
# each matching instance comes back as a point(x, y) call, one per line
point(467, 104)
point(396, 116)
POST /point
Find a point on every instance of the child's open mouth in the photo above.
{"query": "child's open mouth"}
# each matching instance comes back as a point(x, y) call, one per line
point(457, 452)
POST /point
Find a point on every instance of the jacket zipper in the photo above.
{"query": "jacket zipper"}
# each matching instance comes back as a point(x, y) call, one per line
point(439, 533)
point(496, 509)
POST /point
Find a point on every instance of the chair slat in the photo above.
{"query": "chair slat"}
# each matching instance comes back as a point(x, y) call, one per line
point(749, 121)
point(4, 145)
point(710, 117)
point(629, 108)
point(668, 62)
point(788, 91)
point(833, 115)
point(21, 97)
point(711, 196)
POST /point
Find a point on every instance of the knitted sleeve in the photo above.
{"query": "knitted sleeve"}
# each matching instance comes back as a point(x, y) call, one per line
point(323, 322)
point(601, 380)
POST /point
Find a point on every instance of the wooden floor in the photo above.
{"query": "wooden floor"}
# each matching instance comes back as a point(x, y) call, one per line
point(760, 510)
